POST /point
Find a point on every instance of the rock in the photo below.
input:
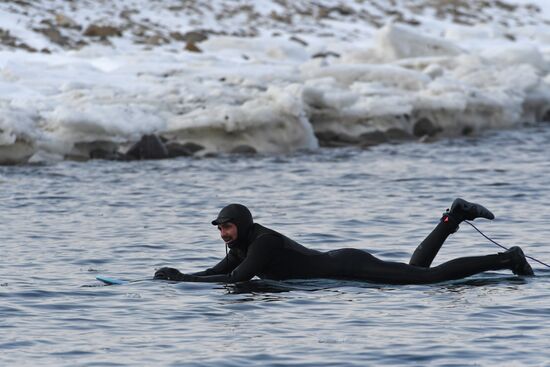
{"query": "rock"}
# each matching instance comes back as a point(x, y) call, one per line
point(425, 127)
point(467, 130)
point(155, 40)
point(244, 149)
point(127, 13)
point(211, 155)
point(282, 18)
point(66, 22)
point(298, 40)
point(193, 147)
point(325, 54)
point(191, 47)
point(325, 12)
point(372, 138)
point(192, 36)
point(149, 147)
point(178, 150)
point(342, 10)
point(546, 116)
point(55, 36)
point(7, 39)
point(398, 134)
point(177, 36)
point(110, 155)
point(331, 139)
point(94, 30)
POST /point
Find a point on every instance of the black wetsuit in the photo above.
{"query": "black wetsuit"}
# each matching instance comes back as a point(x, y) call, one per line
point(267, 254)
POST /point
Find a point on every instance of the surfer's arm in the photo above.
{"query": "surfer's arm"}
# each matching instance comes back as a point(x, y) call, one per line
point(260, 253)
point(225, 266)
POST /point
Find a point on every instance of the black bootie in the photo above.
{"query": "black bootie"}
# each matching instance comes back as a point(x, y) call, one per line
point(464, 210)
point(520, 266)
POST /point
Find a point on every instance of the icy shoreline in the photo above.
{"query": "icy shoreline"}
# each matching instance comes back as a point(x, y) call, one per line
point(295, 81)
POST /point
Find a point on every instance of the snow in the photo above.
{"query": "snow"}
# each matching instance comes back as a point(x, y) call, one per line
point(255, 81)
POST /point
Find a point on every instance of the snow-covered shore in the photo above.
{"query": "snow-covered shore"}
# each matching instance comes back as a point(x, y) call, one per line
point(271, 75)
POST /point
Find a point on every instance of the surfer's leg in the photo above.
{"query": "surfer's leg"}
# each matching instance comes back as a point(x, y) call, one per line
point(370, 268)
point(513, 259)
point(460, 210)
point(428, 249)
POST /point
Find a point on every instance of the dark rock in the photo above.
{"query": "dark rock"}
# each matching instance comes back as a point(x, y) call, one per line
point(546, 116)
point(372, 138)
point(325, 54)
point(298, 40)
point(7, 39)
point(176, 7)
point(283, 18)
point(110, 155)
point(94, 30)
point(425, 127)
point(193, 147)
point(244, 149)
point(81, 43)
point(325, 12)
point(127, 13)
point(211, 155)
point(467, 130)
point(331, 139)
point(177, 36)
point(342, 10)
point(149, 147)
point(192, 47)
point(192, 36)
point(398, 134)
point(55, 36)
point(178, 150)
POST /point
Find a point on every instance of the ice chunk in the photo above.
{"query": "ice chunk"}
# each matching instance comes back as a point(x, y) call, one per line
point(396, 42)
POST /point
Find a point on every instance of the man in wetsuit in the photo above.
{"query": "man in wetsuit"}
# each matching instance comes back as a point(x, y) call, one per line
point(259, 251)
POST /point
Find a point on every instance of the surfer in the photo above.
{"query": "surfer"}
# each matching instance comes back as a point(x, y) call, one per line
point(259, 251)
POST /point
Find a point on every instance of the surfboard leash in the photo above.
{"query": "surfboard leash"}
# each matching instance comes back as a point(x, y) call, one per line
point(499, 245)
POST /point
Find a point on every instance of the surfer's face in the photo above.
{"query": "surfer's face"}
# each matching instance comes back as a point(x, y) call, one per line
point(228, 232)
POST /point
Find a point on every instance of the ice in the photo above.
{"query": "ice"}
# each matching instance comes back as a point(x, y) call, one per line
point(396, 42)
point(273, 122)
point(256, 81)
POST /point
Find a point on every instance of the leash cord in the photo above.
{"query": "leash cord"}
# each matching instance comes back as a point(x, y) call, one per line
point(499, 245)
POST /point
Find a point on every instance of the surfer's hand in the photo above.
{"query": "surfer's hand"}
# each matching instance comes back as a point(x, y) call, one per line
point(168, 274)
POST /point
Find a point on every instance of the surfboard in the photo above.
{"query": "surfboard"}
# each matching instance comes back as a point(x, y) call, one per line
point(110, 280)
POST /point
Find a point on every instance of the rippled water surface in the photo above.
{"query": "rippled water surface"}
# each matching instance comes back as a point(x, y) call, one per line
point(64, 224)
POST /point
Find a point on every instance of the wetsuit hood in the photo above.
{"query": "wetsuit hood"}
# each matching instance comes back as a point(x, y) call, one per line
point(241, 217)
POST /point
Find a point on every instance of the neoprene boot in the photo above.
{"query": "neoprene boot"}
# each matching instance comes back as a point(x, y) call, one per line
point(460, 210)
point(520, 266)
point(464, 210)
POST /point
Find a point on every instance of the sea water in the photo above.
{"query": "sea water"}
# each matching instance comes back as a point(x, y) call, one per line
point(65, 223)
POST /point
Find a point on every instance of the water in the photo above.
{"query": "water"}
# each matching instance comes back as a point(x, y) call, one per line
point(65, 223)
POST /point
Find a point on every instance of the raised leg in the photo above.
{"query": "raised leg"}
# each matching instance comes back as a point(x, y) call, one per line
point(425, 253)
point(460, 210)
